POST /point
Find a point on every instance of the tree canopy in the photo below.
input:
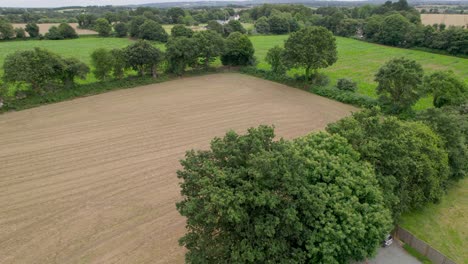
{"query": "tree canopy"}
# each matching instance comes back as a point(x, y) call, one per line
point(399, 84)
point(143, 57)
point(311, 48)
point(446, 88)
point(210, 45)
point(250, 199)
point(239, 50)
point(410, 161)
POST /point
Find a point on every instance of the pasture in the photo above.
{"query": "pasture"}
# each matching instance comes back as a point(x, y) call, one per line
point(93, 180)
point(359, 61)
point(444, 225)
point(447, 19)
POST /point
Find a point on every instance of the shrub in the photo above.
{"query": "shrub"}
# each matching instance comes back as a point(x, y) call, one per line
point(345, 84)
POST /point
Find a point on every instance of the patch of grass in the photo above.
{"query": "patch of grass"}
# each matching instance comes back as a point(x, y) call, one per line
point(413, 252)
point(359, 61)
point(444, 225)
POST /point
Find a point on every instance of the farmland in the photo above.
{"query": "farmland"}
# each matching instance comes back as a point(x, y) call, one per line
point(93, 180)
point(447, 19)
point(443, 225)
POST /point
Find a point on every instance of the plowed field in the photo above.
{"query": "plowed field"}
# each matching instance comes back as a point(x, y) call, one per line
point(93, 180)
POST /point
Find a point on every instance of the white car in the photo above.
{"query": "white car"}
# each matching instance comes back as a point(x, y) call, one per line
point(388, 241)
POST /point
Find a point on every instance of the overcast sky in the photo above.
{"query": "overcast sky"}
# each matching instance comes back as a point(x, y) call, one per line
point(60, 3)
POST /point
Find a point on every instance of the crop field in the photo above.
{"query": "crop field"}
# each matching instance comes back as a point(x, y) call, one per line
point(93, 180)
point(360, 61)
point(444, 225)
point(44, 28)
point(447, 19)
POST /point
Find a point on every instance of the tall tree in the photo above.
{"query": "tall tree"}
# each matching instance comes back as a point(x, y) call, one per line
point(143, 57)
point(275, 57)
point(151, 30)
point(239, 50)
point(6, 30)
point(410, 161)
point(121, 29)
point(399, 84)
point(209, 46)
point(102, 61)
point(33, 30)
point(250, 199)
point(262, 26)
point(180, 53)
point(175, 14)
point(73, 68)
point(446, 88)
point(103, 27)
point(311, 48)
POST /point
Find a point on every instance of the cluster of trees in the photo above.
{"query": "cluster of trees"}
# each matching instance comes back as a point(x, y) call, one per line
point(63, 31)
point(184, 49)
point(401, 83)
point(251, 199)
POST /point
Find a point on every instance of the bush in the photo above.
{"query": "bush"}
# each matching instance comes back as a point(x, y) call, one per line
point(345, 84)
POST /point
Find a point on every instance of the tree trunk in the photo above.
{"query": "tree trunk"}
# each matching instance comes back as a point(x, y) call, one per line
point(307, 73)
point(207, 62)
point(153, 71)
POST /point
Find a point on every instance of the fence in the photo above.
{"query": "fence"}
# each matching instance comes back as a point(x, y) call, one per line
point(435, 256)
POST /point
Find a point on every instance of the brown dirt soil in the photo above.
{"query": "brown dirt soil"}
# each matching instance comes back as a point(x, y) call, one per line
point(93, 180)
point(447, 19)
point(44, 28)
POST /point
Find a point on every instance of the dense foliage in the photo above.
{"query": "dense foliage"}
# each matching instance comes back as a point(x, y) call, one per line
point(410, 161)
point(399, 84)
point(310, 48)
point(250, 199)
point(446, 88)
point(239, 50)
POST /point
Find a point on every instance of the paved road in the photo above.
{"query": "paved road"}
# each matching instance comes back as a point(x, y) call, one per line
point(393, 254)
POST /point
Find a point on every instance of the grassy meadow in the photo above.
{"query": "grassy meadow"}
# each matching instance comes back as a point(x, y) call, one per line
point(444, 225)
point(360, 61)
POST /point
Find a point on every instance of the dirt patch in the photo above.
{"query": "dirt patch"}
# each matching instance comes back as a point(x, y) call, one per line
point(447, 19)
point(93, 180)
point(44, 28)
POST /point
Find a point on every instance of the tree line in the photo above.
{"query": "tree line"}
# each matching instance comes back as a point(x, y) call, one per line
point(42, 69)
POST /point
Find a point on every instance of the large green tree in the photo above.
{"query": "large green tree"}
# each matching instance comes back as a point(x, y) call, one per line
point(446, 88)
point(275, 57)
point(151, 30)
point(262, 26)
point(181, 52)
point(452, 126)
point(393, 30)
point(410, 161)
point(181, 31)
point(121, 29)
point(134, 26)
point(103, 27)
point(36, 67)
point(102, 61)
point(399, 84)
point(239, 50)
point(210, 45)
point(32, 29)
point(250, 199)
point(73, 68)
point(6, 30)
point(310, 48)
point(143, 57)
point(67, 31)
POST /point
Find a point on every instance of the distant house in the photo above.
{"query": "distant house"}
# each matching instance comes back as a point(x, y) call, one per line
point(223, 22)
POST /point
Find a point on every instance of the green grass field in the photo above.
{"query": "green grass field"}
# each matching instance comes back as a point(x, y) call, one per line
point(360, 61)
point(445, 225)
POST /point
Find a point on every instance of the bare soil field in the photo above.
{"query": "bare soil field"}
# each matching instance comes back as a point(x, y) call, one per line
point(44, 28)
point(93, 180)
point(447, 19)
